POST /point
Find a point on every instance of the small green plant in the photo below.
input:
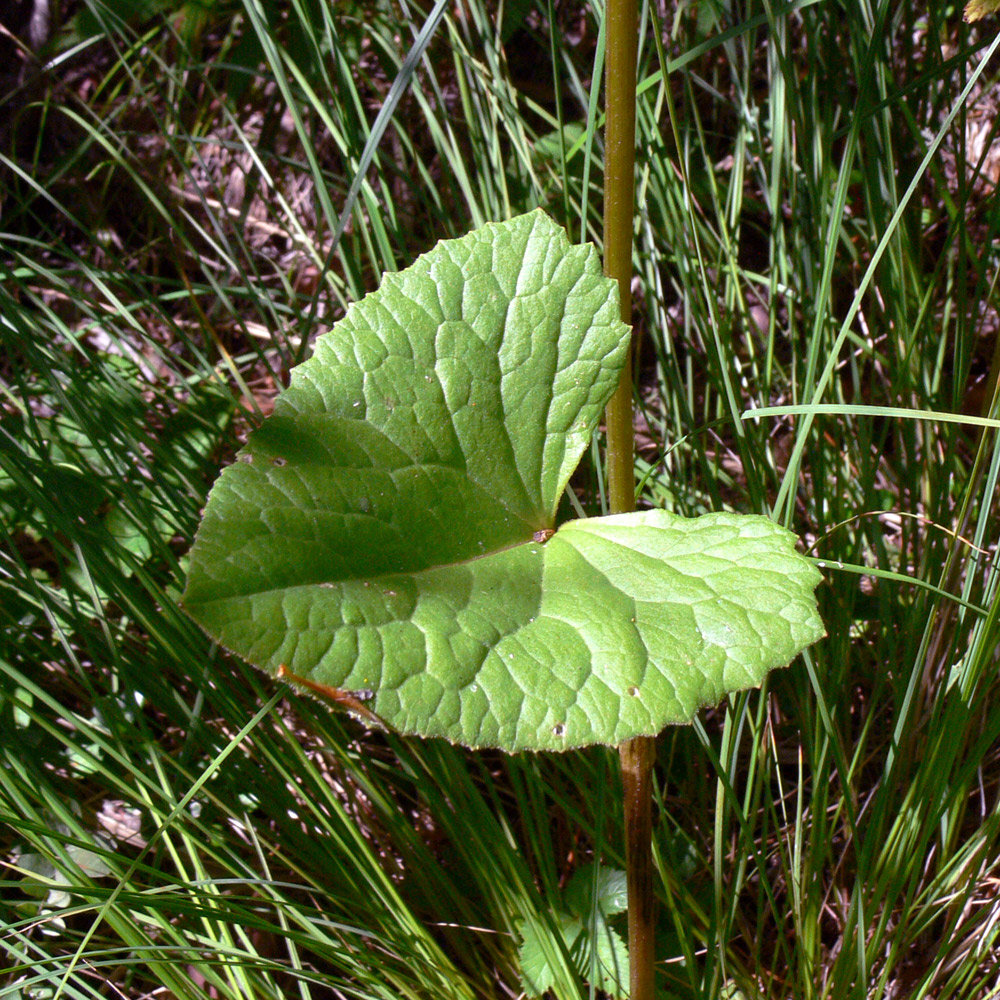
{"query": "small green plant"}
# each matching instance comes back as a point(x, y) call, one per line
point(594, 896)
point(392, 533)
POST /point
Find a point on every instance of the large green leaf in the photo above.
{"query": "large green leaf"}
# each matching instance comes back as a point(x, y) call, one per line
point(387, 528)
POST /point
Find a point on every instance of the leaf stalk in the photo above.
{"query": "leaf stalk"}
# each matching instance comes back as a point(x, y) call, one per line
point(636, 755)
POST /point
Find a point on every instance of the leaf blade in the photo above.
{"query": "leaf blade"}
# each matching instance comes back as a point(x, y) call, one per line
point(390, 526)
point(502, 651)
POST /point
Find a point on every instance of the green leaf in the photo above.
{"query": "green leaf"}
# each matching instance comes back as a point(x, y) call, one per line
point(537, 974)
point(602, 952)
point(48, 881)
point(612, 961)
point(606, 890)
point(387, 529)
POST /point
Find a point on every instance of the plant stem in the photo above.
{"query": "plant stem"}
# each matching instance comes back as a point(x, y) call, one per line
point(637, 765)
point(619, 195)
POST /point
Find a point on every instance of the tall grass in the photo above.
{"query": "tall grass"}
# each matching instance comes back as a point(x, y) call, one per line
point(188, 202)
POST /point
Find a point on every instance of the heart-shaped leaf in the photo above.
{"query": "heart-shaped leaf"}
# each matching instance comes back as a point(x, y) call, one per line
point(389, 527)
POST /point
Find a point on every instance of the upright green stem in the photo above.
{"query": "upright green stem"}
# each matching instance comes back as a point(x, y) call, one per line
point(619, 208)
